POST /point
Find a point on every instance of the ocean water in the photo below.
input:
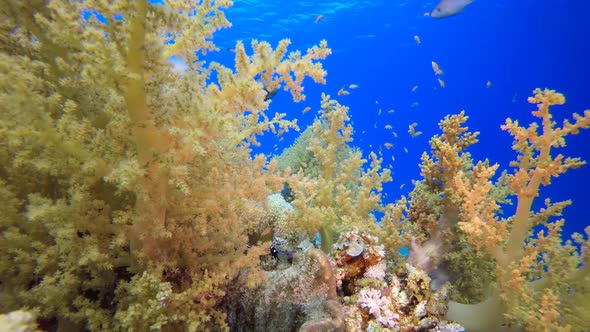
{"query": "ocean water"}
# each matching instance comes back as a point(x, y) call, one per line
point(493, 55)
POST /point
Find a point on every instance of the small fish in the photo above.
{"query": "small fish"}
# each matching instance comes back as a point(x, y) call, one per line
point(270, 93)
point(379, 112)
point(319, 18)
point(515, 98)
point(436, 68)
point(394, 134)
point(405, 149)
point(417, 39)
point(283, 255)
point(391, 111)
point(353, 86)
point(305, 110)
point(426, 14)
point(415, 104)
point(447, 8)
point(343, 92)
point(388, 127)
point(388, 145)
point(441, 83)
point(412, 130)
point(402, 186)
point(414, 88)
point(488, 84)
point(392, 158)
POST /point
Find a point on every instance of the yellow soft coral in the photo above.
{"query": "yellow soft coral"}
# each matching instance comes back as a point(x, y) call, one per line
point(343, 194)
point(554, 266)
point(117, 164)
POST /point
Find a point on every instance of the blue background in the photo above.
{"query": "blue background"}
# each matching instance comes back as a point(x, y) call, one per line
point(516, 45)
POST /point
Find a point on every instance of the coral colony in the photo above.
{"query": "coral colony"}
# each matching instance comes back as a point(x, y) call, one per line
point(131, 200)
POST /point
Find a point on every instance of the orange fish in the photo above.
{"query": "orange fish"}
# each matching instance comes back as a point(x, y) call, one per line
point(388, 145)
point(417, 39)
point(319, 18)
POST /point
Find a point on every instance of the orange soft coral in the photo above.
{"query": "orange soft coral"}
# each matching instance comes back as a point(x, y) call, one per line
point(518, 257)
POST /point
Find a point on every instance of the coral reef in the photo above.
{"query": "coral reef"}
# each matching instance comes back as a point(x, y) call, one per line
point(404, 303)
point(131, 199)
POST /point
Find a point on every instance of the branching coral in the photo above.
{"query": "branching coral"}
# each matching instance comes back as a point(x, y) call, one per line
point(555, 268)
point(436, 243)
point(113, 163)
point(344, 193)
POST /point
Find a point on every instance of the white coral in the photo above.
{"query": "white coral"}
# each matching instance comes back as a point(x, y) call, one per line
point(389, 319)
point(379, 307)
point(372, 300)
point(420, 309)
point(376, 271)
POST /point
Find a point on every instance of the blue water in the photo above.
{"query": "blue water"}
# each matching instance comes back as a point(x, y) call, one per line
point(515, 45)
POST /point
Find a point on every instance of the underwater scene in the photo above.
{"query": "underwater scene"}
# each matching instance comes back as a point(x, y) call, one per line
point(301, 165)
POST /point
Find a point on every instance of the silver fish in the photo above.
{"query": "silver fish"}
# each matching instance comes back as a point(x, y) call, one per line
point(446, 8)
